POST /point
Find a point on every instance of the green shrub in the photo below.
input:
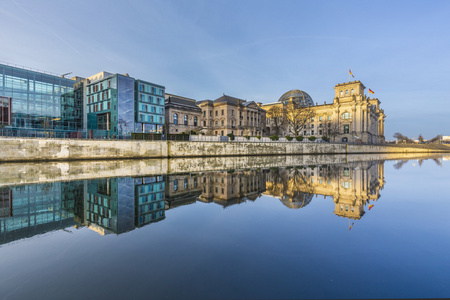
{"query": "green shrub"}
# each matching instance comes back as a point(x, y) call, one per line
point(312, 138)
point(325, 139)
point(274, 137)
point(231, 136)
point(299, 138)
point(248, 137)
point(259, 137)
point(289, 138)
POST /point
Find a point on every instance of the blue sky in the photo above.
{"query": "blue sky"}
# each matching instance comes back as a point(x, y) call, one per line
point(254, 50)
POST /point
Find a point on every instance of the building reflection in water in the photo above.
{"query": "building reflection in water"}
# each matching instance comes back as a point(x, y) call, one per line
point(118, 205)
point(352, 186)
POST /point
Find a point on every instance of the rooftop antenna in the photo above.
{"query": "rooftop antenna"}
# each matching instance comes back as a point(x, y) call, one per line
point(64, 75)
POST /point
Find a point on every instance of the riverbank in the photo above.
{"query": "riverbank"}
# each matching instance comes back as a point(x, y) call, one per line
point(32, 149)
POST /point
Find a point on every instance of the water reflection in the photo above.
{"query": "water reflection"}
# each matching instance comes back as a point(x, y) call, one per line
point(119, 205)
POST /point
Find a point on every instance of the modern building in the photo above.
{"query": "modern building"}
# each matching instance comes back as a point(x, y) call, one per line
point(29, 210)
point(118, 205)
point(351, 117)
point(118, 105)
point(182, 115)
point(229, 115)
point(34, 103)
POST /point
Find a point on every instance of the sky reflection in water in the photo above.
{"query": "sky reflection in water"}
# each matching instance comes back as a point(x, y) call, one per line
point(291, 232)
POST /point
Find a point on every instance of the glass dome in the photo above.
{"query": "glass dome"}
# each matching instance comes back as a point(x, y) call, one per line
point(298, 96)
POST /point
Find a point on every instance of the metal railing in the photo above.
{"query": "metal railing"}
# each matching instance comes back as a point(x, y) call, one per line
point(105, 135)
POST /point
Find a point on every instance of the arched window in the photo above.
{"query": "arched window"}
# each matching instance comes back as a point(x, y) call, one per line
point(185, 119)
point(341, 93)
point(175, 185)
point(222, 122)
point(175, 119)
point(195, 121)
point(346, 92)
point(353, 91)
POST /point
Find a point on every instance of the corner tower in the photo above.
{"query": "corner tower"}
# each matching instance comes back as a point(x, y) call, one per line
point(345, 91)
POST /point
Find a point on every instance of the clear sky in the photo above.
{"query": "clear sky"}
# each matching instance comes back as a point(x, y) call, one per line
point(254, 50)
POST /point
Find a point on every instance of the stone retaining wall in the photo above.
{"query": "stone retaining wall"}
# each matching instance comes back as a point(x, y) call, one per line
point(29, 149)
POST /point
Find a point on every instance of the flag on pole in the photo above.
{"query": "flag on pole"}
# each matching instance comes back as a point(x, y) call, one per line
point(350, 72)
point(370, 91)
point(350, 227)
point(370, 206)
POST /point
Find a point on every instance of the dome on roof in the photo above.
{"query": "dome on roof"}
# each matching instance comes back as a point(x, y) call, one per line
point(296, 200)
point(298, 96)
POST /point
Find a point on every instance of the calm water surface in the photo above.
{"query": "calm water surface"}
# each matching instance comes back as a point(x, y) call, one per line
point(376, 229)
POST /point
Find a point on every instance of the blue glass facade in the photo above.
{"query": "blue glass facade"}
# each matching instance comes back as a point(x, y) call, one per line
point(36, 209)
point(150, 108)
point(39, 101)
point(119, 105)
point(118, 205)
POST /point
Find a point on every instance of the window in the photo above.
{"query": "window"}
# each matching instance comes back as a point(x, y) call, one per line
point(217, 113)
point(352, 91)
point(175, 185)
point(304, 132)
point(320, 132)
point(109, 83)
point(346, 115)
point(217, 123)
point(185, 120)
point(222, 122)
point(195, 121)
point(312, 132)
point(344, 140)
point(204, 114)
point(185, 183)
point(341, 93)
point(329, 118)
point(346, 172)
point(346, 128)
point(312, 125)
point(312, 119)
point(320, 118)
point(109, 105)
point(175, 119)
point(346, 92)
point(232, 112)
point(222, 112)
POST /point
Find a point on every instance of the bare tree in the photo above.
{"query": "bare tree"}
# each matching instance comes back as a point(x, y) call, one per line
point(277, 120)
point(436, 139)
point(420, 138)
point(400, 137)
point(297, 117)
point(331, 129)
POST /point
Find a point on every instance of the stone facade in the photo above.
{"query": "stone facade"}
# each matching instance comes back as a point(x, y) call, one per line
point(352, 117)
point(182, 115)
point(227, 115)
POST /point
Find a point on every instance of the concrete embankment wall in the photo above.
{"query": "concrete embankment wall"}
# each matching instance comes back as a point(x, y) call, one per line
point(28, 149)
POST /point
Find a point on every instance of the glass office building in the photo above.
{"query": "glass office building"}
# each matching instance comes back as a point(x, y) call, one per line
point(118, 105)
point(32, 100)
